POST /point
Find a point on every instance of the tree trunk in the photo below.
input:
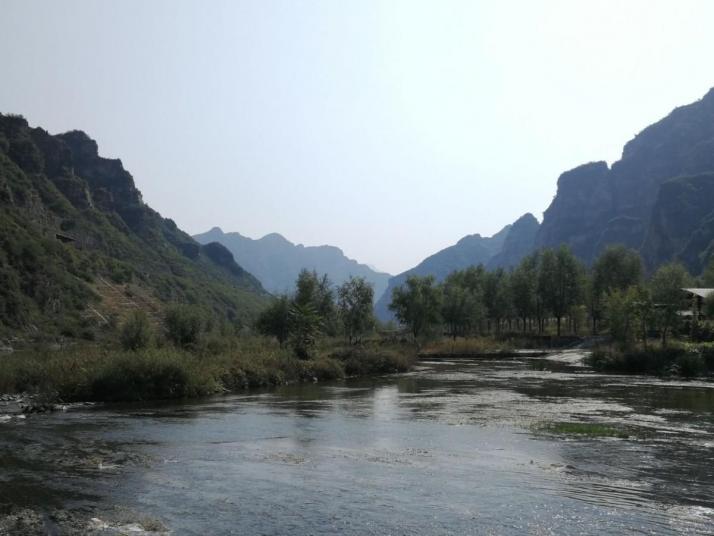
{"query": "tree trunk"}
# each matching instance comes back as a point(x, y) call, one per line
point(558, 327)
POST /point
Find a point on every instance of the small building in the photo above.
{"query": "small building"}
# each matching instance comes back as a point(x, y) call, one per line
point(697, 297)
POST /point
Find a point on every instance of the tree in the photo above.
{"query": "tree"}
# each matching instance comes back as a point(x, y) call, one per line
point(416, 304)
point(497, 296)
point(559, 281)
point(628, 314)
point(709, 306)
point(462, 305)
point(617, 268)
point(274, 321)
point(184, 325)
point(524, 289)
point(708, 275)
point(305, 327)
point(619, 314)
point(503, 300)
point(316, 291)
point(666, 286)
point(355, 298)
point(136, 332)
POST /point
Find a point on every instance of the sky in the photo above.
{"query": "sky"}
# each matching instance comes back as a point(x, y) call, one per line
point(389, 129)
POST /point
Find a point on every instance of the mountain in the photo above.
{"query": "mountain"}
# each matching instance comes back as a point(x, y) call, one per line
point(634, 202)
point(470, 250)
point(79, 248)
point(276, 261)
point(682, 223)
point(517, 244)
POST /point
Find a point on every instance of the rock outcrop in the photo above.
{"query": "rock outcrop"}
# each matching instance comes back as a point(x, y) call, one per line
point(596, 205)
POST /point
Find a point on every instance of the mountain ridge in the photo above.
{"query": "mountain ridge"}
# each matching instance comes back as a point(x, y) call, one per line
point(656, 199)
point(277, 261)
point(80, 246)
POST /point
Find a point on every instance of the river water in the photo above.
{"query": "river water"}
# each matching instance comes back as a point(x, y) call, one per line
point(453, 447)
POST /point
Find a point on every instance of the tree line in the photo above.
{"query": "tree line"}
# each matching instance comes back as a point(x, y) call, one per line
point(549, 291)
point(317, 309)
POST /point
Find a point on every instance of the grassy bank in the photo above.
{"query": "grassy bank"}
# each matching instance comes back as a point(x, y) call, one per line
point(100, 374)
point(678, 359)
point(581, 429)
point(473, 346)
point(477, 346)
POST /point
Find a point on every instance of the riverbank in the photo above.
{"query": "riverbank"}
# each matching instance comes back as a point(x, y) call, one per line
point(678, 359)
point(109, 375)
point(463, 439)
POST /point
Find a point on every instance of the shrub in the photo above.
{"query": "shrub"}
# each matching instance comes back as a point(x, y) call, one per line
point(689, 364)
point(151, 375)
point(362, 360)
point(184, 325)
point(660, 361)
point(136, 332)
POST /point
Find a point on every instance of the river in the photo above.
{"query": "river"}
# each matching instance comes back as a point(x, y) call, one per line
point(453, 447)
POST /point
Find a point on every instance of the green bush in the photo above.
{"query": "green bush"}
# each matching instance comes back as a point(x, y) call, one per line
point(677, 360)
point(359, 360)
point(136, 332)
point(92, 373)
point(184, 325)
point(689, 364)
point(132, 378)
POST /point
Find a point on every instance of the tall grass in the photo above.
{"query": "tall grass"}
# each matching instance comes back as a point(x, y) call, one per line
point(469, 346)
point(96, 374)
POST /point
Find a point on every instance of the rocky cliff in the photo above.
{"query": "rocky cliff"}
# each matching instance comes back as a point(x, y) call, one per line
point(79, 245)
point(596, 205)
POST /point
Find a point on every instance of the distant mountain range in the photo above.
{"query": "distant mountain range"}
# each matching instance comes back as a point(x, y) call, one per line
point(504, 249)
point(79, 248)
point(658, 199)
point(276, 261)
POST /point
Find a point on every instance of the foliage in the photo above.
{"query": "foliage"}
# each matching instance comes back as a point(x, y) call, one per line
point(417, 304)
point(666, 287)
point(587, 429)
point(708, 309)
point(184, 325)
point(462, 308)
point(355, 306)
point(616, 269)
point(306, 325)
point(524, 288)
point(316, 292)
point(675, 359)
point(275, 320)
point(361, 360)
point(628, 314)
point(708, 275)
point(53, 185)
point(559, 281)
point(92, 373)
point(136, 332)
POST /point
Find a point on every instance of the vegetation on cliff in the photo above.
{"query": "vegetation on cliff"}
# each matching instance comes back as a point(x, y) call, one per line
point(80, 250)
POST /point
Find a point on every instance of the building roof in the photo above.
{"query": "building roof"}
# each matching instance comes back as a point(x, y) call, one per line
point(702, 292)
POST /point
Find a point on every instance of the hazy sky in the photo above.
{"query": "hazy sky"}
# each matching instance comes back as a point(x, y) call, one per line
point(390, 129)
